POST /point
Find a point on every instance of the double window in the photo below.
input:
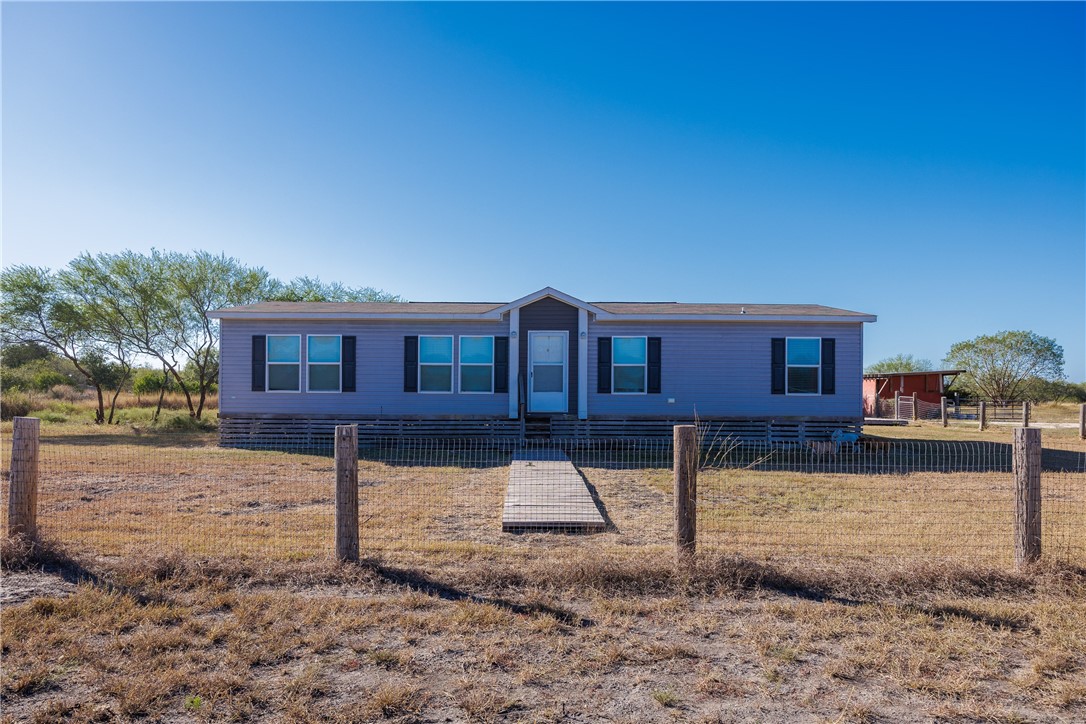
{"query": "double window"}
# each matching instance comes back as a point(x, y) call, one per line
point(435, 364)
point(629, 366)
point(277, 363)
point(323, 358)
point(477, 364)
point(804, 365)
point(284, 362)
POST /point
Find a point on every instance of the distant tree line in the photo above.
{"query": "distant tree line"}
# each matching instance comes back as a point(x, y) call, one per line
point(1005, 367)
point(110, 315)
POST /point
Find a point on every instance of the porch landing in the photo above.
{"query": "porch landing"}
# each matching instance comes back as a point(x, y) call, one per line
point(546, 492)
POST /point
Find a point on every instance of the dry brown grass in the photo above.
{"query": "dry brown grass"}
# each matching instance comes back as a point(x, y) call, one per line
point(114, 491)
point(737, 640)
point(205, 593)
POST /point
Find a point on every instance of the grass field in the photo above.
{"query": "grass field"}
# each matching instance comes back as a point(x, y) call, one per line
point(191, 583)
point(598, 638)
point(115, 490)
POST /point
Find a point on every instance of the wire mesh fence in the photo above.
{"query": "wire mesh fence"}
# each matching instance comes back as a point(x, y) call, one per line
point(430, 502)
point(905, 498)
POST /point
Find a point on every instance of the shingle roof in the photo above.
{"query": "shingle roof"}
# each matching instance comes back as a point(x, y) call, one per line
point(365, 307)
point(792, 310)
point(680, 311)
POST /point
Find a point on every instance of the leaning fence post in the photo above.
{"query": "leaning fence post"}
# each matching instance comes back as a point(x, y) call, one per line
point(982, 414)
point(23, 485)
point(1025, 414)
point(347, 492)
point(686, 491)
point(942, 411)
point(1027, 495)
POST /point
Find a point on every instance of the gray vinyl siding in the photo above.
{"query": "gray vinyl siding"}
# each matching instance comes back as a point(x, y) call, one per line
point(719, 369)
point(551, 315)
point(723, 370)
point(380, 354)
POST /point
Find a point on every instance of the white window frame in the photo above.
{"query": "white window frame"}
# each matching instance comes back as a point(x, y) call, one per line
point(338, 365)
point(787, 367)
point(451, 363)
point(268, 365)
point(461, 364)
point(645, 365)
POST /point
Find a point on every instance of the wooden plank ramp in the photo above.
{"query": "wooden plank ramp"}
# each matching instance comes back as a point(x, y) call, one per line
point(547, 493)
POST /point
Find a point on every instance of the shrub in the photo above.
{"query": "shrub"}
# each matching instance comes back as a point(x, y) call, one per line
point(185, 423)
point(45, 380)
point(14, 404)
point(146, 382)
point(69, 393)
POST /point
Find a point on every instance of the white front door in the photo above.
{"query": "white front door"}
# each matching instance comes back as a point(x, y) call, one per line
point(547, 372)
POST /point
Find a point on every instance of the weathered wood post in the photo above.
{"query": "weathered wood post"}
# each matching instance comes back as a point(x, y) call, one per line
point(686, 492)
point(1027, 495)
point(1082, 421)
point(982, 414)
point(897, 405)
point(877, 410)
point(23, 485)
point(942, 411)
point(1025, 414)
point(916, 409)
point(347, 492)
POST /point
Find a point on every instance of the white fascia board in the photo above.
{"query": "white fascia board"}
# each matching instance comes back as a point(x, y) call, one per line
point(550, 292)
point(492, 316)
point(608, 317)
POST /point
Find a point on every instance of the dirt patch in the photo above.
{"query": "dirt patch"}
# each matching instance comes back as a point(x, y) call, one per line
point(21, 586)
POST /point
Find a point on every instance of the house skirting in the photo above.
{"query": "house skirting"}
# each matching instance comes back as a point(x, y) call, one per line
point(291, 432)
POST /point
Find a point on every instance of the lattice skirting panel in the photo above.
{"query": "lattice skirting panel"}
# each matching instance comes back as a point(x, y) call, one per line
point(294, 432)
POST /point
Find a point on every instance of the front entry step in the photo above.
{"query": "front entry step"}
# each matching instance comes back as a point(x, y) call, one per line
point(537, 428)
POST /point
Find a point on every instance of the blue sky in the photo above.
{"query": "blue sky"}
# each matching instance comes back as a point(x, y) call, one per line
point(923, 162)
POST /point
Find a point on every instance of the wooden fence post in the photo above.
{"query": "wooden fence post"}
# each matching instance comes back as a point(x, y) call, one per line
point(1027, 495)
point(1025, 414)
point(347, 492)
point(23, 485)
point(1082, 421)
point(916, 409)
point(942, 411)
point(982, 414)
point(897, 405)
point(686, 491)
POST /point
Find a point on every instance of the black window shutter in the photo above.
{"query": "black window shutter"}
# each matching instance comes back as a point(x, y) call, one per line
point(347, 383)
point(501, 364)
point(603, 367)
point(410, 364)
point(260, 356)
point(829, 366)
point(777, 365)
point(654, 365)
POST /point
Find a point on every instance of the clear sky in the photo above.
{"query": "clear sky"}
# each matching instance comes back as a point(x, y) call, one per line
point(925, 162)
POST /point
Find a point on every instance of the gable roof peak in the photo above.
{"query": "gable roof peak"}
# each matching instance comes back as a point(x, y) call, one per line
point(553, 294)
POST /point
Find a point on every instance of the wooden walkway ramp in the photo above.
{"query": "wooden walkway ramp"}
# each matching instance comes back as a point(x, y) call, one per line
point(547, 493)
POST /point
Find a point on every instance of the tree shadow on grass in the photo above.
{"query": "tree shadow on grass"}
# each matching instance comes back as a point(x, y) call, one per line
point(418, 581)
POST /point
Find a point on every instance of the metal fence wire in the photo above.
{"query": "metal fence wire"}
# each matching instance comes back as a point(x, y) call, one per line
point(432, 502)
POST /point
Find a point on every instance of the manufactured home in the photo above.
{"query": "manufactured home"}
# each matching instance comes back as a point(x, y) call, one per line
point(547, 364)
